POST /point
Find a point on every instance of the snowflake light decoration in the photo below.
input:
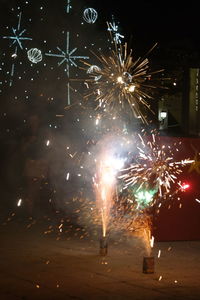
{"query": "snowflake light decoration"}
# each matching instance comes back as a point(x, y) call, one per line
point(67, 57)
point(68, 7)
point(17, 39)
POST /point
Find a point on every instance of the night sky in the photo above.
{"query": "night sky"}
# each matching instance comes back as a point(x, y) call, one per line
point(161, 21)
point(164, 22)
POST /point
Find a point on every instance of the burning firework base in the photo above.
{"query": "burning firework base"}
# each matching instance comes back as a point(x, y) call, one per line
point(148, 265)
point(103, 246)
point(148, 261)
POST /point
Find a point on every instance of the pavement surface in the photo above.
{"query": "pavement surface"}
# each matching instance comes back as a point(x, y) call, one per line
point(38, 263)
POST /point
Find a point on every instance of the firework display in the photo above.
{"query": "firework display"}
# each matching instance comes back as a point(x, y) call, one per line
point(95, 167)
point(118, 83)
point(126, 84)
point(154, 170)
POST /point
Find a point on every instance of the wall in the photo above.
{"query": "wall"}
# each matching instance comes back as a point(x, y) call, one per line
point(179, 220)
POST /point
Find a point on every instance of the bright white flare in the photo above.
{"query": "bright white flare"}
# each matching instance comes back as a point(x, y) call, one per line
point(104, 185)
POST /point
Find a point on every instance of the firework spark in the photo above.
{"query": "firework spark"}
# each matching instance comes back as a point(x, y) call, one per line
point(104, 184)
point(154, 168)
point(124, 83)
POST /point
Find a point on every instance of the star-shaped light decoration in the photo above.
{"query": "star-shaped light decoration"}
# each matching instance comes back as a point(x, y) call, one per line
point(69, 59)
point(17, 39)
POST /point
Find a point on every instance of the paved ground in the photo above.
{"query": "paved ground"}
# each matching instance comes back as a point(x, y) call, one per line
point(38, 266)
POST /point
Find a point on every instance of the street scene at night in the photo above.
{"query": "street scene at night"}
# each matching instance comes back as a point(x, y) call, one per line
point(100, 150)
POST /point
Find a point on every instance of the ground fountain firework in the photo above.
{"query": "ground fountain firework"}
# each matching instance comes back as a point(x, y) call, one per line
point(108, 164)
